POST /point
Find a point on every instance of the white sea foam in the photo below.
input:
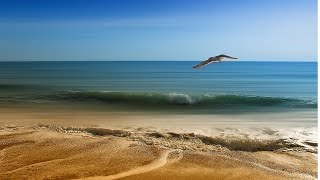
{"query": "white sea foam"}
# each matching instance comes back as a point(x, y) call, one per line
point(180, 98)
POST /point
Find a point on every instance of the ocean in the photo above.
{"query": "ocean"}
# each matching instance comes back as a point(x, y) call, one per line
point(163, 83)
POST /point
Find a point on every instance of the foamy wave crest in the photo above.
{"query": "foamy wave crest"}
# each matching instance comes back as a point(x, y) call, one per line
point(176, 98)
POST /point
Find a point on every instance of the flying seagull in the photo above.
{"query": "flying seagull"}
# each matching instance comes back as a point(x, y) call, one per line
point(210, 60)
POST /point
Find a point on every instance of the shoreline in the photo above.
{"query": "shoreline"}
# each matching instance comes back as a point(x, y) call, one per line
point(229, 139)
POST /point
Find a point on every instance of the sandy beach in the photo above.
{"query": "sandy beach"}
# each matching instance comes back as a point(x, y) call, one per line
point(55, 149)
point(44, 153)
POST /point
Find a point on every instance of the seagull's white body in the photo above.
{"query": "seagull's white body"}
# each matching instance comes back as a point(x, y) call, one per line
point(213, 60)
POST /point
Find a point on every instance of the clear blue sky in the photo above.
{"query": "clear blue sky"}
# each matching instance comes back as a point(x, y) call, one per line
point(158, 29)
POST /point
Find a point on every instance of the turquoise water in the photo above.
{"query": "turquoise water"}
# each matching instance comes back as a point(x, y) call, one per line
point(161, 84)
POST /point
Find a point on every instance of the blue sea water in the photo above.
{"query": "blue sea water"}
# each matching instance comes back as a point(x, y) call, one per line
point(163, 83)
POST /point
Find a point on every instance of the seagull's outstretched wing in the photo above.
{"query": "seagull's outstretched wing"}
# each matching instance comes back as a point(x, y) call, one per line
point(204, 63)
point(222, 56)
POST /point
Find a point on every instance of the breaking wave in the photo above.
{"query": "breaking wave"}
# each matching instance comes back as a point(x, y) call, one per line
point(179, 99)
